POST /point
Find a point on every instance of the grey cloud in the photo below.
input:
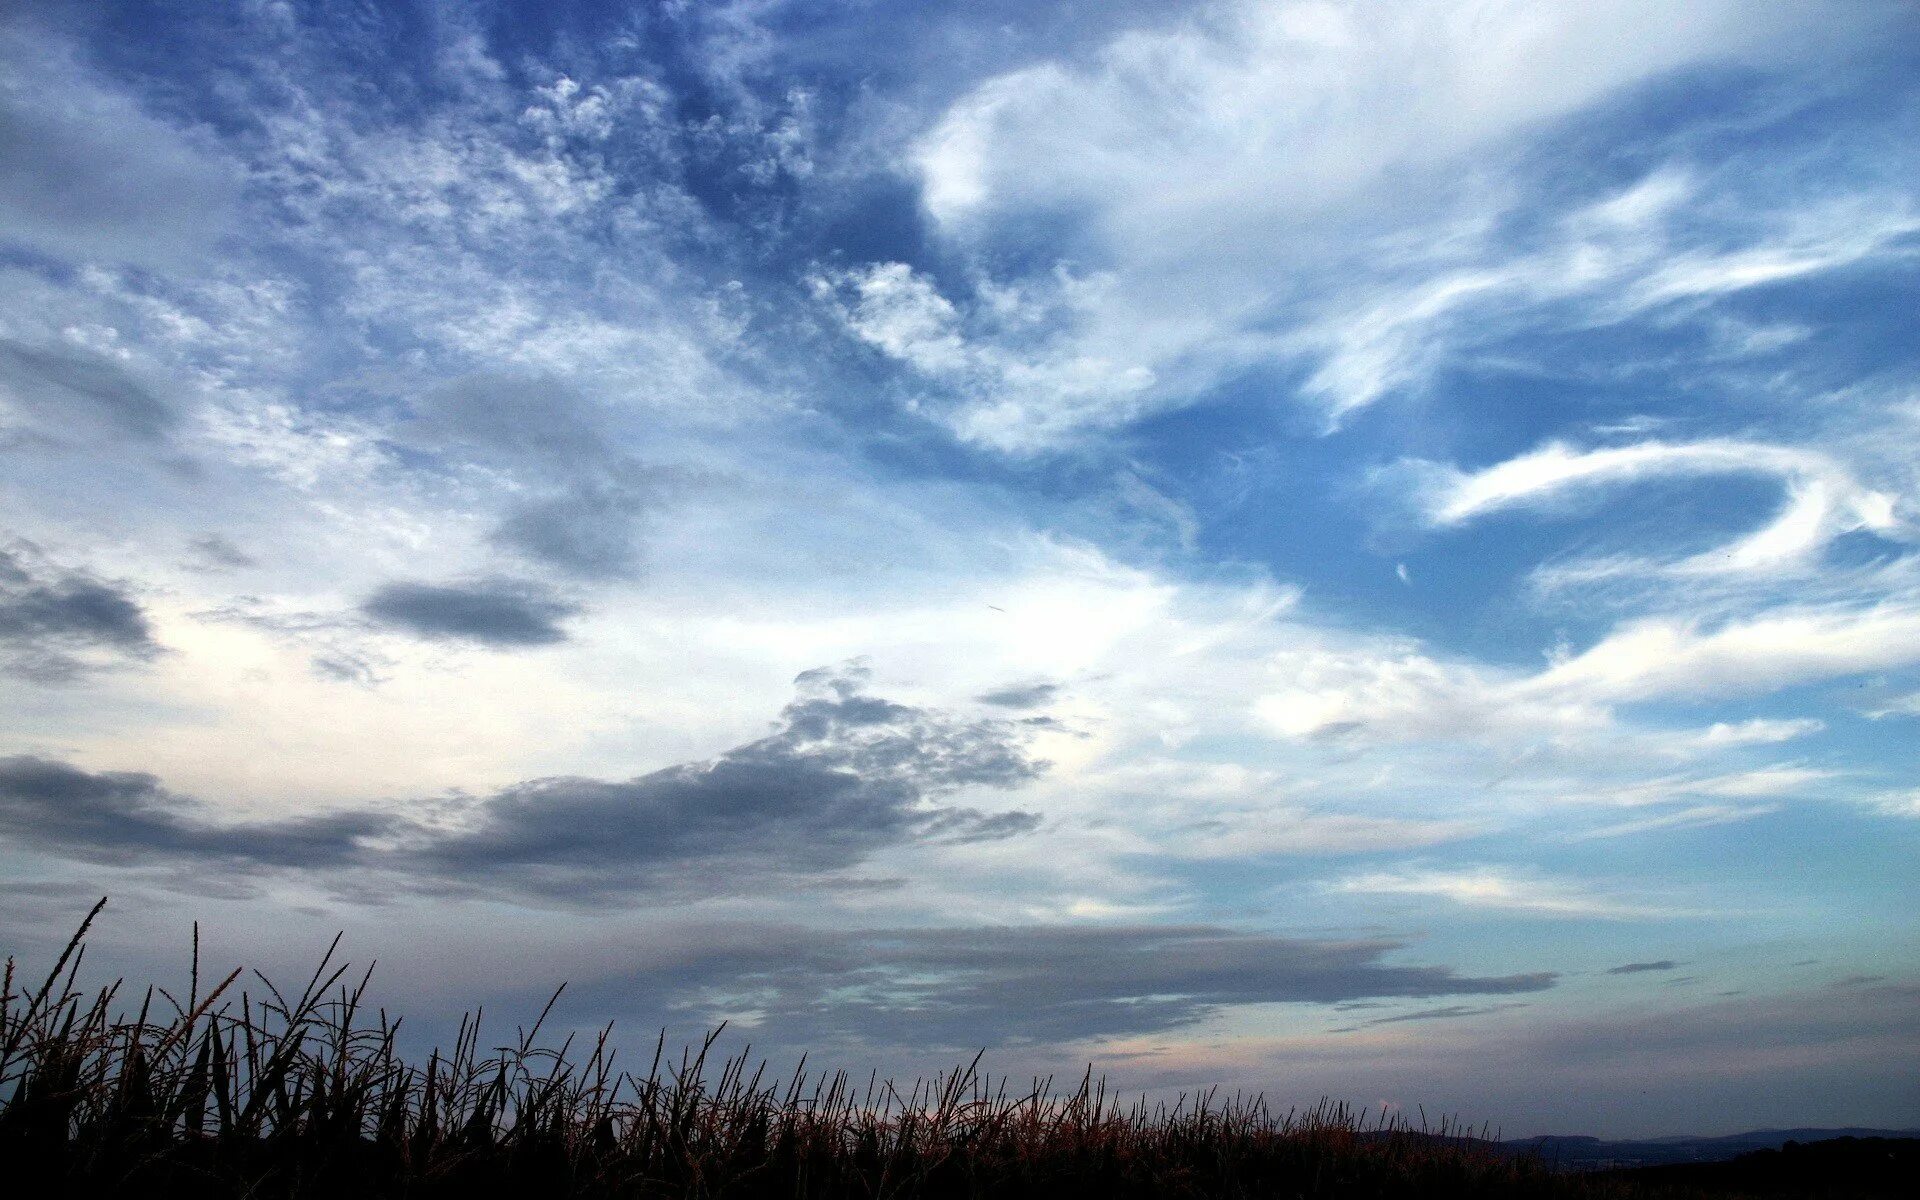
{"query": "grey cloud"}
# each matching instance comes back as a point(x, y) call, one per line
point(127, 817)
point(56, 624)
point(968, 988)
point(67, 393)
point(490, 612)
point(514, 419)
point(1448, 1012)
point(345, 666)
point(588, 498)
point(843, 775)
point(591, 532)
point(214, 552)
point(1031, 695)
point(1665, 964)
point(89, 174)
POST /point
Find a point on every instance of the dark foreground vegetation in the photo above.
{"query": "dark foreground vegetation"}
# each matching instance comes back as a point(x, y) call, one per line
point(243, 1090)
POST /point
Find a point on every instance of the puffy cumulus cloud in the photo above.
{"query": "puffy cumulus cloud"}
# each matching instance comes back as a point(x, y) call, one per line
point(964, 988)
point(56, 624)
point(1200, 176)
point(92, 174)
point(1823, 501)
point(492, 612)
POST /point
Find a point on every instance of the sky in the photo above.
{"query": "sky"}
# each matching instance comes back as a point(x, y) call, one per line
point(1355, 549)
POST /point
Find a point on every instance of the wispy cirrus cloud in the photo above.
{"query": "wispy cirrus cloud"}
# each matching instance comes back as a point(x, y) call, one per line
point(1823, 501)
point(1500, 889)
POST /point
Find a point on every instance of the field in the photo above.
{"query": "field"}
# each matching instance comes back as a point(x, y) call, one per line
point(240, 1089)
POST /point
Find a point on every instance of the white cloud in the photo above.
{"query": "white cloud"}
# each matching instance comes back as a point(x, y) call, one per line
point(1498, 889)
point(1824, 501)
point(1896, 804)
point(1903, 706)
point(1008, 398)
point(1209, 169)
point(1670, 657)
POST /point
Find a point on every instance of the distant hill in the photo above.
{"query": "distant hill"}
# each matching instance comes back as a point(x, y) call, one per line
point(1595, 1154)
point(1841, 1168)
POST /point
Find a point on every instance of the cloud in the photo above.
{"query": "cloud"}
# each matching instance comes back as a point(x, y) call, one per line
point(844, 775)
point(216, 552)
point(68, 392)
point(1666, 656)
point(1397, 691)
point(585, 499)
point(1902, 706)
point(1824, 501)
point(1450, 1012)
point(1494, 888)
point(965, 988)
point(91, 175)
point(1306, 185)
point(1665, 964)
point(990, 392)
point(1031, 695)
point(496, 613)
point(57, 624)
point(1628, 256)
point(1896, 804)
point(127, 818)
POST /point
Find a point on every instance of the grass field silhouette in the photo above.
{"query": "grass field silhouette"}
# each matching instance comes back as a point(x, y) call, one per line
point(240, 1089)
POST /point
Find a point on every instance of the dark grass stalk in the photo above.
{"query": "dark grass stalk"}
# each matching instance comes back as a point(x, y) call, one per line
point(224, 1096)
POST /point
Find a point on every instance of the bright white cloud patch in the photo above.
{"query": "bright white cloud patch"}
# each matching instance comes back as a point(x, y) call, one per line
point(1289, 182)
point(1823, 501)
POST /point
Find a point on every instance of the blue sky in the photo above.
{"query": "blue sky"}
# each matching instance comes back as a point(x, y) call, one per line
point(1365, 549)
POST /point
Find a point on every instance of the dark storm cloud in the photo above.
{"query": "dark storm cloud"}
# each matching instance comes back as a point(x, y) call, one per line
point(588, 498)
point(65, 392)
point(56, 624)
point(492, 612)
point(844, 774)
point(1032, 695)
point(127, 817)
point(1665, 964)
point(968, 988)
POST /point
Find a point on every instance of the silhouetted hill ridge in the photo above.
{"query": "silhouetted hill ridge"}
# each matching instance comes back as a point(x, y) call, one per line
point(1582, 1152)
